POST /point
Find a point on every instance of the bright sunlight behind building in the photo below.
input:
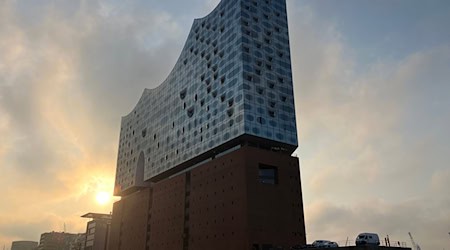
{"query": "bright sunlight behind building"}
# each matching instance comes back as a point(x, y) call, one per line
point(103, 197)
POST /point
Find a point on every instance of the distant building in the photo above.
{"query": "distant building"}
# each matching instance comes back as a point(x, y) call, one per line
point(204, 159)
point(79, 242)
point(24, 245)
point(56, 241)
point(97, 231)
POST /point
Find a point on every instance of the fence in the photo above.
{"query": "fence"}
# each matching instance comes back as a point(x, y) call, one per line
point(383, 242)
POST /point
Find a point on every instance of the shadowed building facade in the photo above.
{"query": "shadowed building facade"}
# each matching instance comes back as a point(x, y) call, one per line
point(204, 159)
point(24, 245)
point(56, 241)
point(97, 231)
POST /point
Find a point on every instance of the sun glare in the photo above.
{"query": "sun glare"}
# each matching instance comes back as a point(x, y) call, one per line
point(103, 197)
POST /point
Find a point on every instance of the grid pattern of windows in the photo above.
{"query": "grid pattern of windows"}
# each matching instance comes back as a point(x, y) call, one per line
point(232, 78)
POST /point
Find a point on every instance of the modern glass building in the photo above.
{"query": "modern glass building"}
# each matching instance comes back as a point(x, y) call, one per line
point(205, 158)
point(231, 85)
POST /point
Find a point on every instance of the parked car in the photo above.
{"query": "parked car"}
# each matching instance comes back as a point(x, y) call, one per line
point(367, 239)
point(324, 244)
point(320, 243)
point(332, 244)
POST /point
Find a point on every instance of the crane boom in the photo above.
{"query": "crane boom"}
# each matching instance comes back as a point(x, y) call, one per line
point(415, 246)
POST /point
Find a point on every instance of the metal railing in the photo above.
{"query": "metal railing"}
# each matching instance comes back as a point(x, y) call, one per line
point(391, 243)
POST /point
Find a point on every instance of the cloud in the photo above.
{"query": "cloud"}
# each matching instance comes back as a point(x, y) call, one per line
point(337, 222)
point(373, 138)
point(65, 76)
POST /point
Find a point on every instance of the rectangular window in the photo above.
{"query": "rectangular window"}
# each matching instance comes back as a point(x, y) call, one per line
point(268, 174)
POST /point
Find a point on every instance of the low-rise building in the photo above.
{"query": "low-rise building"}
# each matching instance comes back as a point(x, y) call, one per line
point(79, 242)
point(97, 231)
point(56, 241)
point(24, 245)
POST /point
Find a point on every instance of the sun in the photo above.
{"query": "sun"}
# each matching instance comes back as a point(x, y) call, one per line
point(102, 197)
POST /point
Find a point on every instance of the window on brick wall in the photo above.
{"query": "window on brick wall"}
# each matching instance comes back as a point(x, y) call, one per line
point(268, 174)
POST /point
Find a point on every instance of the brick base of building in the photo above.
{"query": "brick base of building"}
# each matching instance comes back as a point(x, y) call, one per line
point(246, 199)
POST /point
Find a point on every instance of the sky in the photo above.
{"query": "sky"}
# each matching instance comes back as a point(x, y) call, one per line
point(372, 94)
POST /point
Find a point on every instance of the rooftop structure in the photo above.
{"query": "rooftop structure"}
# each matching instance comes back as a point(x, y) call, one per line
point(97, 216)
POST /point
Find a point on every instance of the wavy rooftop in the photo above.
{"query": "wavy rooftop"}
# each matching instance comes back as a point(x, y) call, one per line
point(233, 78)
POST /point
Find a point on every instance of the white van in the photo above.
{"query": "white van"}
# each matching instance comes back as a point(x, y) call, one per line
point(367, 239)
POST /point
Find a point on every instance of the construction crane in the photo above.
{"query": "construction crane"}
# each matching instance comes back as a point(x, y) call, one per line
point(414, 245)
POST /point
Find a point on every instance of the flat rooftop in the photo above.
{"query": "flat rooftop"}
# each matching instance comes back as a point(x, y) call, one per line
point(97, 216)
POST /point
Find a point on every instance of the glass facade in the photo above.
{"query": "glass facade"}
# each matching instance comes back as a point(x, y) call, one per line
point(232, 78)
